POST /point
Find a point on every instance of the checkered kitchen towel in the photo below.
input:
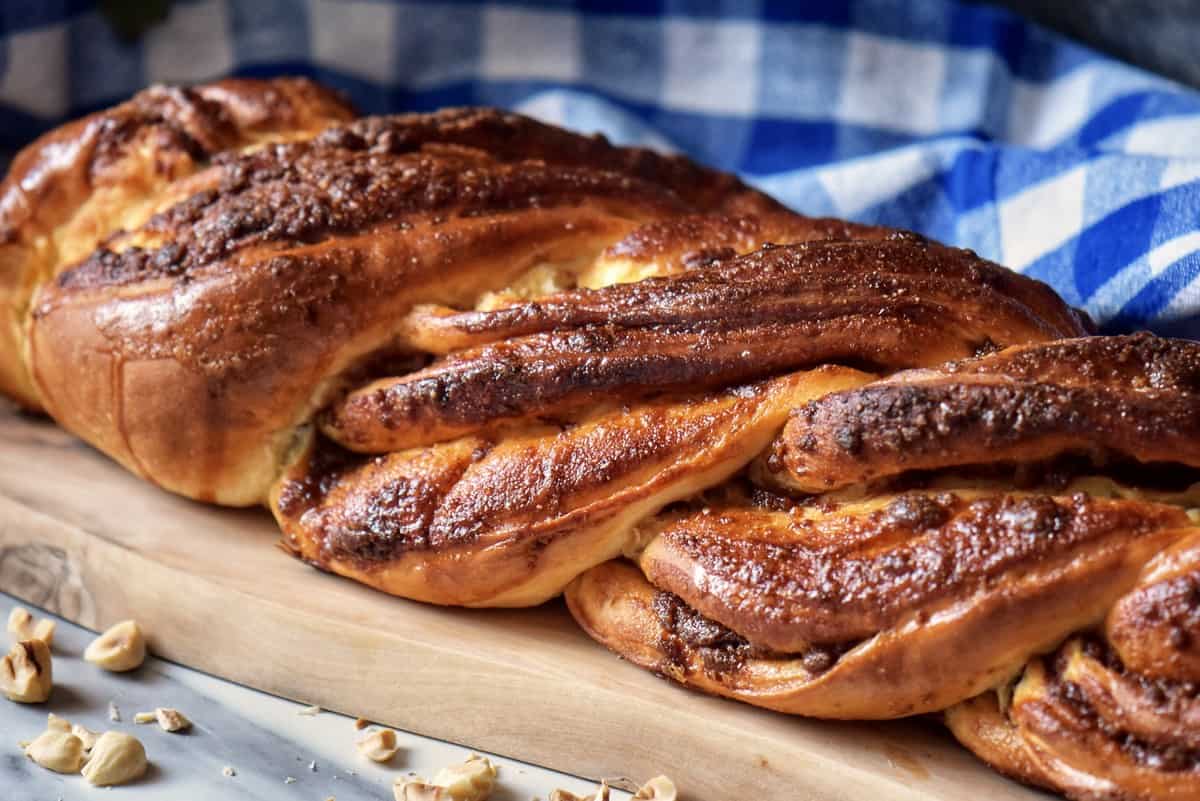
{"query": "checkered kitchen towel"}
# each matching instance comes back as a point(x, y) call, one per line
point(959, 121)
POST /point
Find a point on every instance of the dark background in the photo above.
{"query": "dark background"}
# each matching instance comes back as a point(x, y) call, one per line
point(1160, 35)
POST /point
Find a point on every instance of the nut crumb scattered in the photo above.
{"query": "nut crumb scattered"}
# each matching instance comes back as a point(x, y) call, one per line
point(289, 779)
point(228, 771)
point(361, 723)
point(143, 717)
point(114, 713)
point(171, 720)
point(313, 766)
point(310, 711)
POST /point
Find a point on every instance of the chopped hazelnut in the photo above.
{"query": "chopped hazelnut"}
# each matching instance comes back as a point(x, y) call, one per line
point(143, 717)
point(59, 751)
point(21, 626)
point(122, 647)
point(379, 746)
point(171, 720)
point(660, 788)
point(361, 723)
point(26, 672)
point(601, 794)
point(472, 780)
point(116, 758)
point(414, 788)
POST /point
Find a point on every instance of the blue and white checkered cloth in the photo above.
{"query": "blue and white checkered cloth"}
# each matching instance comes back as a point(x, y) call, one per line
point(963, 122)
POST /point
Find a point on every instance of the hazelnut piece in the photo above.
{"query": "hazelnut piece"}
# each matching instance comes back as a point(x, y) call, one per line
point(122, 647)
point(379, 746)
point(472, 780)
point(22, 626)
point(171, 719)
point(414, 788)
point(59, 751)
point(601, 794)
point(116, 758)
point(25, 673)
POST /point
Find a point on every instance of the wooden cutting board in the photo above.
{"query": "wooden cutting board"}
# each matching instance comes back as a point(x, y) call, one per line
point(82, 538)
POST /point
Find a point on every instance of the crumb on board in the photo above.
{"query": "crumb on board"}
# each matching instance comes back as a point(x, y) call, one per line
point(309, 711)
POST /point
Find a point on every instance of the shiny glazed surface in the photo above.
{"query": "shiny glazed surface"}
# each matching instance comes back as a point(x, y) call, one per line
point(471, 359)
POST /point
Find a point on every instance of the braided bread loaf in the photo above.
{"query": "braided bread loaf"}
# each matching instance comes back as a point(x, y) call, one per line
point(471, 359)
point(1009, 538)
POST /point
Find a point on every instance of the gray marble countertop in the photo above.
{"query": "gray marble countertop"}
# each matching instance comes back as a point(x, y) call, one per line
point(264, 739)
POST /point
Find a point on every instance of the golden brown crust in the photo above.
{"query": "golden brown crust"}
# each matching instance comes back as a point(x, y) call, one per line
point(212, 331)
point(1155, 629)
point(931, 617)
point(1106, 397)
point(888, 304)
point(292, 195)
point(694, 240)
point(1079, 721)
point(184, 126)
point(465, 356)
point(863, 604)
point(509, 520)
point(299, 262)
point(841, 573)
point(980, 725)
point(512, 138)
point(74, 186)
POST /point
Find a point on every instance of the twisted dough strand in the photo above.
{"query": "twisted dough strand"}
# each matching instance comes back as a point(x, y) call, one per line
point(980, 514)
point(468, 358)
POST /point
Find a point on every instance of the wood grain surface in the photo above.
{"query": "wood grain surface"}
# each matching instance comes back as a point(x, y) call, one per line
point(82, 538)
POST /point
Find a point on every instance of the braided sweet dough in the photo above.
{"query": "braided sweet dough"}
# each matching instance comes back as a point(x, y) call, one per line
point(471, 359)
point(71, 189)
point(1010, 538)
